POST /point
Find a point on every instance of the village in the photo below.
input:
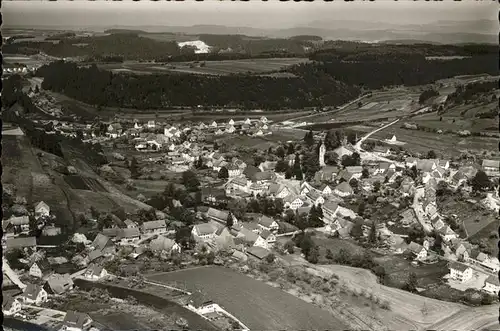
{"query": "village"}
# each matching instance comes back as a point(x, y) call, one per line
point(251, 208)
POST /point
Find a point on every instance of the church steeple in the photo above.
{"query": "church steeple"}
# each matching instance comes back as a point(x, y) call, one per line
point(322, 151)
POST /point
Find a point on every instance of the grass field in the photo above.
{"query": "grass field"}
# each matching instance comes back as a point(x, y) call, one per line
point(225, 67)
point(485, 234)
point(257, 305)
point(262, 142)
point(447, 145)
point(406, 308)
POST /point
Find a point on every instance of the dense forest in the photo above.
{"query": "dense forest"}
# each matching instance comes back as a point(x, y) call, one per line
point(472, 91)
point(99, 87)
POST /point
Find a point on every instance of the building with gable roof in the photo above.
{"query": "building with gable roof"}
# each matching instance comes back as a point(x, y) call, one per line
point(76, 321)
point(460, 271)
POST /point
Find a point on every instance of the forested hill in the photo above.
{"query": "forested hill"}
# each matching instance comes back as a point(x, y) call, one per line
point(99, 87)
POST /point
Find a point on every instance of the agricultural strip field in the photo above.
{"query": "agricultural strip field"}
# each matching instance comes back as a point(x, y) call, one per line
point(406, 308)
point(257, 305)
point(448, 145)
point(84, 183)
point(224, 67)
point(478, 318)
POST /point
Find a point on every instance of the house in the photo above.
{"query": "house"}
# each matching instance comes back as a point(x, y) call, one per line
point(199, 303)
point(154, 227)
point(384, 167)
point(51, 230)
point(254, 227)
point(10, 305)
point(240, 164)
point(492, 285)
point(128, 236)
point(343, 189)
point(213, 195)
point(293, 202)
point(268, 236)
point(58, 284)
point(220, 216)
point(35, 271)
point(224, 239)
point(355, 171)
point(230, 129)
point(33, 294)
point(151, 124)
point(251, 238)
point(325, 189)
point(42, 210)
point(491, 167)
point(204, 231)
point(462, 249)
point(329, 210)
point(341, 151)
point(103, 244)
point(219, 132)
point(447, 233)
point(129, 224)
point(269, 224)
point(259, 253)
point(392, 138)
point(162, 243)
point(20, 224)
point(114, 130)
point(250, 172)
point(381, 151)
point(278, 191)
point(315, 198)
point(233, 170)
point(263, 119)
point(305, 188)
point(95, 272)
point(22, 243)
point(213, 124)
point(408, 217)
point(239, 183)
point(476, 257)
point(76, 321)
point(411, 162)
point(247, 121)
point(426, 165)
point(326, 174)
point(345, 175)
point(460, 272)
point(418, 250)
point(264, 177)
point(268, 166)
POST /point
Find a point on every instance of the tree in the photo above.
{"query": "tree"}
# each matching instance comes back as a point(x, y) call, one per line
point(416, 233)
point(281, 166)
point(480, 181)
point(313, 255)
point(313, 218)
point(280, 152)
point(343, 257)
point(372, 236)
point(199, 163)
point(306, 245)
point(229, 220)
point(310, 165)
point(331, 158)
point(376, 186)
point(290, 149)
point(270, 258)
point(361, 208)
point(216, 146)
point(357, 229)
point(134, 168)
point(365, 173)
point(431, 154)
point(354, 183)
point(329, 254)
point(309, 138)
point(332, 140)
point(351, 137)
point(289, 173)
point(190, 181)
point(411, 283)
point(223, 173)
point(290, 247)
point(238, 207)
point(258, 159)
point(297, 170)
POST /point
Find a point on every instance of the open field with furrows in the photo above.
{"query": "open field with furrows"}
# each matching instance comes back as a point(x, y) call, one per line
point(447, 145)
point(225, 67)
point(477, 318)
point(257, 305)
point(407, 310)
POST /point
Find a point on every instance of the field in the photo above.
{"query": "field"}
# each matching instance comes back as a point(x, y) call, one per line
point(257, 305)
point(485, 234)
point(447, 145)
point(480, 318)
point(225, 67)
point(262, 142)
point(84, 183)
point(407, 309)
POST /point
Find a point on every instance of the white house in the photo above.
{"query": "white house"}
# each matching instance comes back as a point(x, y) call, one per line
point(315, 198)
point(230, 129)
point(491, 285)
point(34, 294)
point(201, 304)
point(129, 236)
point(269, 224)
point(330, 210)
point(325, 189)
point(491, 167)
point(214, 124)
point(305, 188)
point(151, 124)
point(231, 122)
point(22, 223)
point(263, 119)
point(460, 272)
point(293, 202)
point(219, 132)
point(233, 170)
point(268, 236)
point(35, 271)
point(10, 306)
point(42, 210)
point(204, 231)
point(76, 321)
point(95, 272)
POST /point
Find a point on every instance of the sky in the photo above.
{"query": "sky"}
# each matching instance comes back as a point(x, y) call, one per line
point(269, 15)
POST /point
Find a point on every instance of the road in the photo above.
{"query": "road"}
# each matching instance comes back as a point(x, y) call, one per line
point(358, 144)
point(419, 212)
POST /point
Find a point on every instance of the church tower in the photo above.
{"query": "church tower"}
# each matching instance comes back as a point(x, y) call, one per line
point(322, 150)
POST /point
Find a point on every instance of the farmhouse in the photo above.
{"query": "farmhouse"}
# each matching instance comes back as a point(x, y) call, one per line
point(408, 217)
point(199, 303)
point(293, 202)
point(233, 170)
point(417, 250)
point(268, 236)
point(34, 294)
point(58, 284)
point(220, 216)
point(326, 174)
point(10, 305)
point(128, 236)
point(278, 191)
point(341, 151)
point(460, 272)
point(491, 285)
point(212, 195)
point(343, 189)
point(324, 189)
point(204, 231)
point(315, 198)
point(35, 271)
point(151, 124)
point(269, 224)
point(305, 188)
point(51, 230)
point(21, 243)
point(19, 224)
point(103, 244)
point(356, 171)
point(129, 224)
point(95, 272)
point(42, 210)
point(154, 227)
point(381, 151)
point(491, 167)
point(259, 253)
point(162, 243)
point(76, 321)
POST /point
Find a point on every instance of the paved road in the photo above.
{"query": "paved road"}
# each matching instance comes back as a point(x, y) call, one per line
point(358, 144)
point(12, 275)
point(419, 212)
